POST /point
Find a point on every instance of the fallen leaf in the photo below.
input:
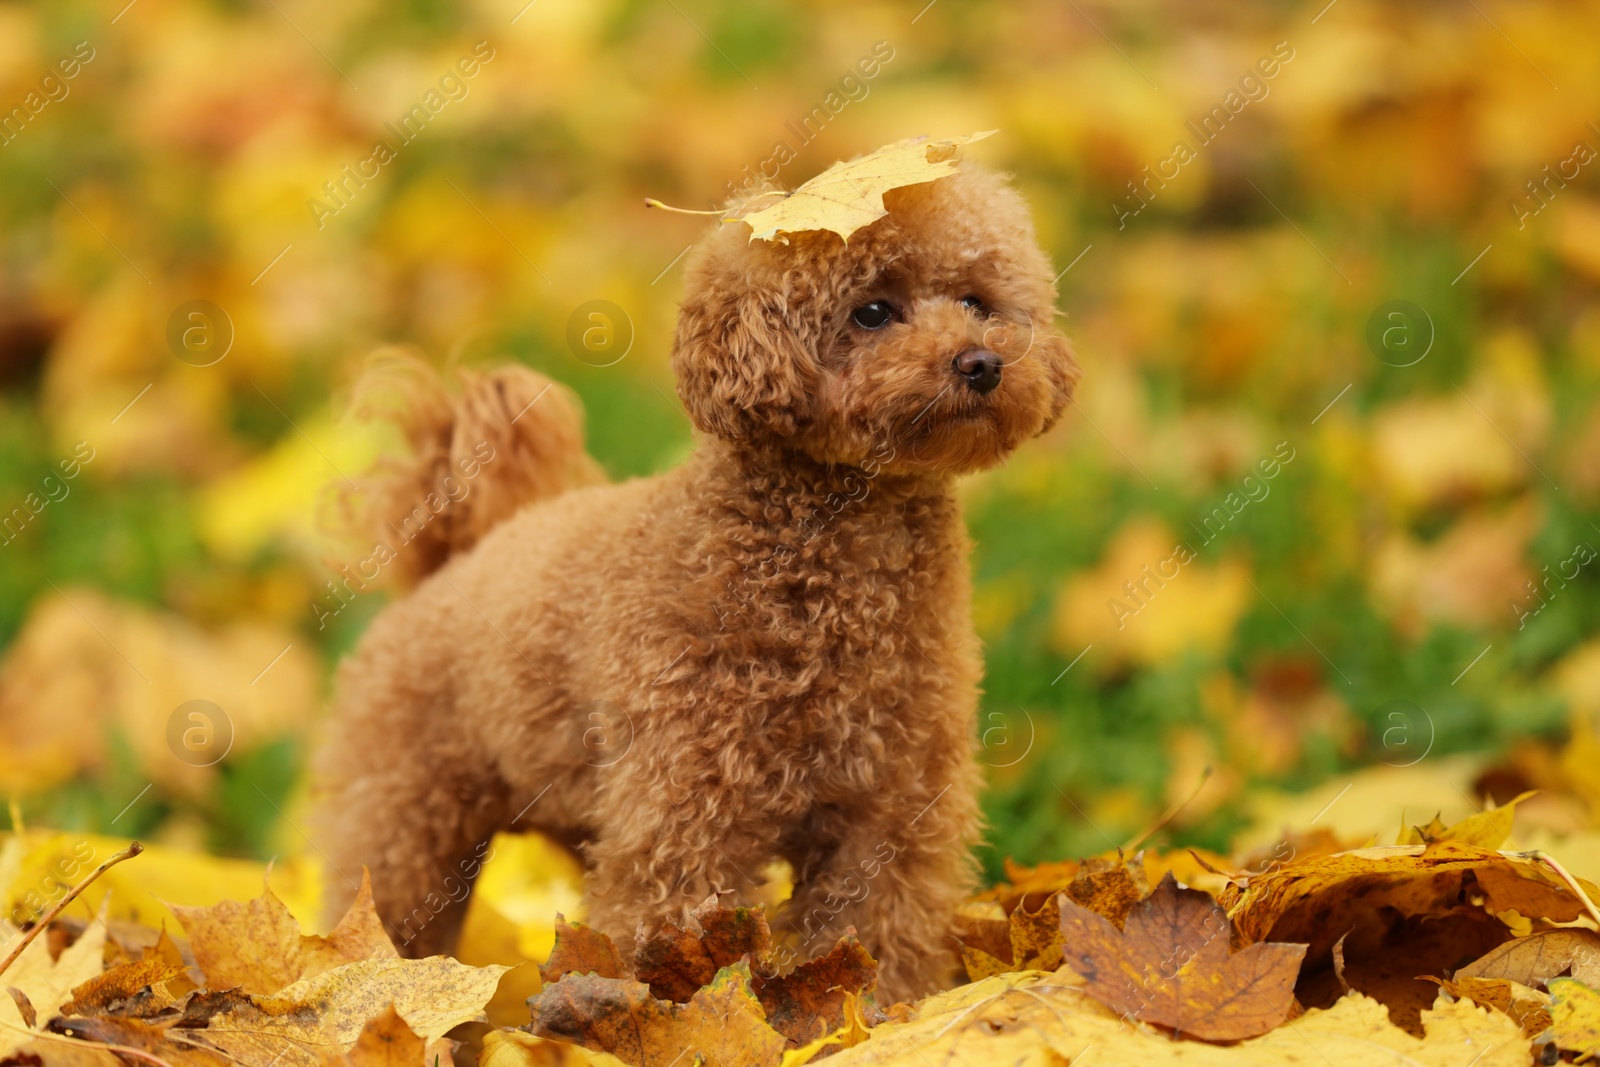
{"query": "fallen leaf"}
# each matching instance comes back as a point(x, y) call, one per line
point(137, 989)
point(386, 1041)
point(580, 949)
point(1487, 829)
point(328, 1012)
point(1392, 960)
point(1536, 959)
point(1575, 1016)
point(1028, 937)
point(1528, 1008)
point(178, 1050)
point(1422, 835)
point(730, 934)
point(30, 1018)
point(813, 1000)
point(257, 945)
point(849, 195)
point(674, 963)
point(515, 1048)
point(985, 934)
point(46, 983)
point(678, 960)
point(1172, 964)
point(1108, 887)
point(1029, 1019)
point(723, 1023)
point(1036, 935)
point(1317, 900)
point(359, 936)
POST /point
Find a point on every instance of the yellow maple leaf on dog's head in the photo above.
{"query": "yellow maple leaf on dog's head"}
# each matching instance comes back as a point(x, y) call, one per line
point(849, 195)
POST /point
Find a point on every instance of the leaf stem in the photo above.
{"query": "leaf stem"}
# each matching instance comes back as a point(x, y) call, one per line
point(1566, 876)
point(1171, 814)
point(133, 849)
point(651, 201)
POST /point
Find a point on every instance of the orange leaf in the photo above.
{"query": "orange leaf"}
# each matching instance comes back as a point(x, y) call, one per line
point(1171, 964)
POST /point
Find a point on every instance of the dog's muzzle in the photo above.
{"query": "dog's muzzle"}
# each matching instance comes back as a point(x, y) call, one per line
point(980, 368)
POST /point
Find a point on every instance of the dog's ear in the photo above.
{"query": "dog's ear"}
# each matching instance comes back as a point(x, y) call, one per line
point(743, 369)
point(1055, 352)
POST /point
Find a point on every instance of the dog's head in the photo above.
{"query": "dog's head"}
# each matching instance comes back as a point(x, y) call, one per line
point(926, 343)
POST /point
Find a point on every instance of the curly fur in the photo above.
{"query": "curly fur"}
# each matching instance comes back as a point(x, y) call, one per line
point(765, 653)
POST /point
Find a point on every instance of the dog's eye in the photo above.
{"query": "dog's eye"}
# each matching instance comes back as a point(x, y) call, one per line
point(873, 316)
point(972, 302)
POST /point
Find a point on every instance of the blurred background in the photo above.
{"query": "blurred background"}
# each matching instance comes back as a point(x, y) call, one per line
point(1330, 270)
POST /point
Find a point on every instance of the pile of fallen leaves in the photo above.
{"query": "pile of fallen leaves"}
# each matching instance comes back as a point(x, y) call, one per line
point(1443, 949)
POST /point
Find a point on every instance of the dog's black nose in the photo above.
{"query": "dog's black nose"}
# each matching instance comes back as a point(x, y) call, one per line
point(980, 367)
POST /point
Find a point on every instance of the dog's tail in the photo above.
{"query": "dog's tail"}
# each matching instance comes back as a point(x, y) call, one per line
point(477, 452)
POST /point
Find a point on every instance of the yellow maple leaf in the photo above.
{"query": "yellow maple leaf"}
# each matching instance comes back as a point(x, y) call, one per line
point(257, 945)
point(330, 1011)
point(1575, 1016)
point(1036, 1018)
point(514, 1048)
point(849, 195)
point(45, 983)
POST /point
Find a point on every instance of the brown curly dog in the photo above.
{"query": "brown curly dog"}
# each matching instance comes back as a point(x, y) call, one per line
point(764, 654)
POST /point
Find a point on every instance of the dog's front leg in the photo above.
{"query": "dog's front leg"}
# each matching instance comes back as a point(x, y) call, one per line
point(667, 848)
point(898, 880)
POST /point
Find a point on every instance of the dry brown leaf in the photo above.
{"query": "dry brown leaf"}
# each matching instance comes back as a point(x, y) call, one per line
point(813, 1000)
point(1036, 935)
point(1398, 961)
point(580, 949)
point(1317, 900)
point(723, 1023)
point(1528, 1008)
point(1534, 960)
point(1043, 879)
point(138, 989)
point(1172, 964)
point(678, 960)
point(360, 935)
point(1109, 888)
point(1030, 939)
point(1106, 883)
point(674, 963)
point(985, 935)
point(257, 945)
point(730, 934)
point(849, 195)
